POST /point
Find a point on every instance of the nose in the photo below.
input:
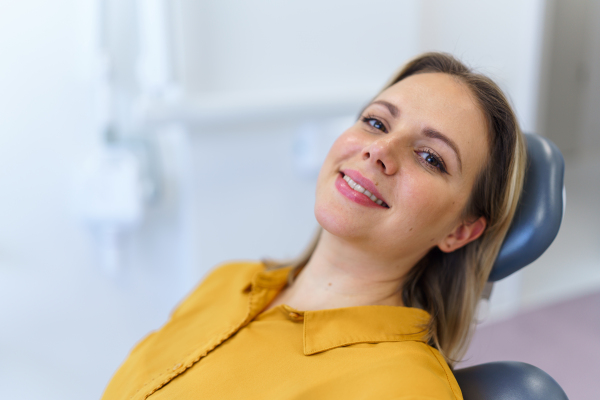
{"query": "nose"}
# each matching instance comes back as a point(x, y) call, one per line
point(380, 154)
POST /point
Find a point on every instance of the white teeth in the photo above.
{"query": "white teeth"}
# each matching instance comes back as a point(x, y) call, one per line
point(351, 183)
point(361, 189)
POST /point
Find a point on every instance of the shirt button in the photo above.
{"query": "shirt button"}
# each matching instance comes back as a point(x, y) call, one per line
point(295, 315)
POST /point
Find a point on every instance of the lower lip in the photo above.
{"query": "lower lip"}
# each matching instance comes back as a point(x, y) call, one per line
point(357, 197)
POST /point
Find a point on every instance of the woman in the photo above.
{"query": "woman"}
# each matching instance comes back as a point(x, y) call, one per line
point(414, 201)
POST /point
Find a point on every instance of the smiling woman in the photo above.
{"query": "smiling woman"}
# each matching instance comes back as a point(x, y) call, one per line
point(413, 201)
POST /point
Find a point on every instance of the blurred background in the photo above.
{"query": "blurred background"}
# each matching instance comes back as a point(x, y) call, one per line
point(144, 142)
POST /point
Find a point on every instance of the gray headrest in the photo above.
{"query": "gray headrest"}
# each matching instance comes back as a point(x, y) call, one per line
point(539, 212)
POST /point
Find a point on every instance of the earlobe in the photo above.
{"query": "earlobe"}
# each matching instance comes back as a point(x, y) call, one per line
point(463, 234)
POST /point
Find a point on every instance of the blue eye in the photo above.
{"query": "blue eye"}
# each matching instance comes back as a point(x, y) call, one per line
point(432, 160)
point(375, 123)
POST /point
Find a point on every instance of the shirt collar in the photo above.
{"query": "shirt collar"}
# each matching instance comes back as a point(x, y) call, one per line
point(327, 329)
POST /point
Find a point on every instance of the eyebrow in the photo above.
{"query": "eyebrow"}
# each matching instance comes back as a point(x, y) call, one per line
point(432, 133)
point(391, 108)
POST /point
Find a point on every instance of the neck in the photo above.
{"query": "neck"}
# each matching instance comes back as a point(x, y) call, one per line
point(342, 274)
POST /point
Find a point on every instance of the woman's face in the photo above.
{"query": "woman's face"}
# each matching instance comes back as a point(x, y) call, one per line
point(417, 149)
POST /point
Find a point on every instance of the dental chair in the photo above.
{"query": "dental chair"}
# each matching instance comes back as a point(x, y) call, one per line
point(535, 225)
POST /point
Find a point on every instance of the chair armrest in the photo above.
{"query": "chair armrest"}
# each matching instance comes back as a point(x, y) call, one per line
point(507, 380)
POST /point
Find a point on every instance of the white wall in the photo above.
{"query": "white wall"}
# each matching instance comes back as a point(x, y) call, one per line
point(46, 108)
point(45, 104)
point(500, 39)
point(265, 46)
point(65, 325)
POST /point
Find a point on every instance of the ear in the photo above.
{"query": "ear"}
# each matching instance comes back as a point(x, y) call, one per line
point(463, 234)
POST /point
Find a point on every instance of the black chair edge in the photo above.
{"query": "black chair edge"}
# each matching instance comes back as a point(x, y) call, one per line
point(507, 380)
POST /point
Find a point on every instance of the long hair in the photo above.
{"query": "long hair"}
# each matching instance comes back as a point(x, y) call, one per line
point(450, 285)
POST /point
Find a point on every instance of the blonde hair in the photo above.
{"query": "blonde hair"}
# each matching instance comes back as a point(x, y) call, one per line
point(450, 285)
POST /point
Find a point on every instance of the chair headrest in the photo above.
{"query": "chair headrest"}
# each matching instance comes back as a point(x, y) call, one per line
point(540, 210)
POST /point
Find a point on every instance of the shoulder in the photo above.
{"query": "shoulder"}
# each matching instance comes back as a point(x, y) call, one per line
point(436, 372)
point(223, 281)
point(411, 370)
point(233, 272)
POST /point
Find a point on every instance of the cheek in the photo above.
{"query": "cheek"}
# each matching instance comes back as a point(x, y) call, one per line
point(346, 145)
point(344, 152)
point(429, 205)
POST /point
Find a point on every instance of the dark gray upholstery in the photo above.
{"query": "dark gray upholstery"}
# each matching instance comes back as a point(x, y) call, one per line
point(540, 210)
point(535, 226)
point(507, 381)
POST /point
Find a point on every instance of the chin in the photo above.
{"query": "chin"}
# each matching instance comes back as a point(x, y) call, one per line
point(333, 221)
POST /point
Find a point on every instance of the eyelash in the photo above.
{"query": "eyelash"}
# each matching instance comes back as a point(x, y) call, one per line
point(441, 167)
point(369, 118)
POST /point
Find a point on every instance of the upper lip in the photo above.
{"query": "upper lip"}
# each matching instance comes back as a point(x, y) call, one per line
point(364, 182)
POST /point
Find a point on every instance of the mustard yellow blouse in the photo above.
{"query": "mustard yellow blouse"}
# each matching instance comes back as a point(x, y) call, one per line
point(218, 345)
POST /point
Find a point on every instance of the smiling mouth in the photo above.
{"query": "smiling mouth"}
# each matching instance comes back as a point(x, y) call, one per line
point(356, 187)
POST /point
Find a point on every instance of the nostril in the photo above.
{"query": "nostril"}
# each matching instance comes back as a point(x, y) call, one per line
point(382, 164)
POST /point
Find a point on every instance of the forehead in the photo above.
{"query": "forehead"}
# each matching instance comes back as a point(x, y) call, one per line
point(442, 102)
point(435, 94)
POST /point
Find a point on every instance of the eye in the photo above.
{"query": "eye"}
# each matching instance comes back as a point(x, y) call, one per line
point(432, 160)
point(375, 123)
